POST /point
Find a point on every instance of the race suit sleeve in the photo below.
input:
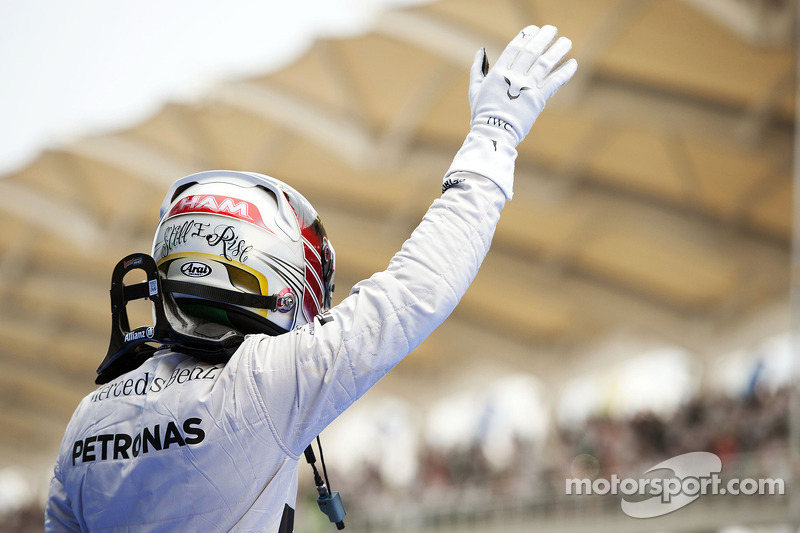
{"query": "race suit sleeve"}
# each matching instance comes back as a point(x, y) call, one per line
point(307, 377)
point(58, 515)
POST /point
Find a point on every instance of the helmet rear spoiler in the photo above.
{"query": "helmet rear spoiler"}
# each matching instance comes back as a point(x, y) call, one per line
point(129, 348)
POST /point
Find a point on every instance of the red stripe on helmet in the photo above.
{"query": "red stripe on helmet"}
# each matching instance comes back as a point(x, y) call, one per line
point(219, 205)
point(312, 297)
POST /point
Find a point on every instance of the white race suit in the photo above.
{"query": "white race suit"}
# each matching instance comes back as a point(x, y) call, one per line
point(182, 445)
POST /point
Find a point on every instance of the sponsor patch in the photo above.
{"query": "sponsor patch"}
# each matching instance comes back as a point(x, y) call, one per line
point(451, 182)
point(134, 261)
point(140, 333)
point(113, 446)
point(195, 269)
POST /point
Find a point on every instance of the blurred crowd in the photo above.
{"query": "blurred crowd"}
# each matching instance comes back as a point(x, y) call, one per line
point(750, 435)
point(746, 433)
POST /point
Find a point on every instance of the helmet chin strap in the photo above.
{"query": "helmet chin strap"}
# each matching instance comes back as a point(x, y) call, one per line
point(272, 302)
point(206, 340)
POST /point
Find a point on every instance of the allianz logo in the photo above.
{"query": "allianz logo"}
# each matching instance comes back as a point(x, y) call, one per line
point(195, 269)
point(140, 334)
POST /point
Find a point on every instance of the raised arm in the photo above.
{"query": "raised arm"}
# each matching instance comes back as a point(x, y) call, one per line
point(336, 359)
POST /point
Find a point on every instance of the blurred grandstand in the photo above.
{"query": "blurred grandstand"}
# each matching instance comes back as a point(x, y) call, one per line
point(636, 304)
point(465, 488)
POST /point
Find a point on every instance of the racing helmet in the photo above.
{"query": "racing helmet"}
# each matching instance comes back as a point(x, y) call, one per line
point(223, 232)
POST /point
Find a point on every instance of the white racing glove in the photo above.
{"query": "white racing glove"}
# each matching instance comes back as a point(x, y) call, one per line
point(506, 100)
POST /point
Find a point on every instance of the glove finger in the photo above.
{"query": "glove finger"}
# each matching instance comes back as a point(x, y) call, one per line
point(559, 77)
point(515, 46)
point(534, 48)
point(476, 75)
point(552, 57)
point(479, 67)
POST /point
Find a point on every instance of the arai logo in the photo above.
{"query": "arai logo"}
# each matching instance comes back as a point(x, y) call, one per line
point(195, 269)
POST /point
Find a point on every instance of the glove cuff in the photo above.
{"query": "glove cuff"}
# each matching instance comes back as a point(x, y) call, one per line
point(491, 159)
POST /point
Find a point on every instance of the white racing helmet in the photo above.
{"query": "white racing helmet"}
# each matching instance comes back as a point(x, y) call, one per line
point(224, 232)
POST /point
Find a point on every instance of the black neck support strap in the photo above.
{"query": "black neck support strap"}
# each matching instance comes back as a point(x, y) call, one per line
point(208, 341)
